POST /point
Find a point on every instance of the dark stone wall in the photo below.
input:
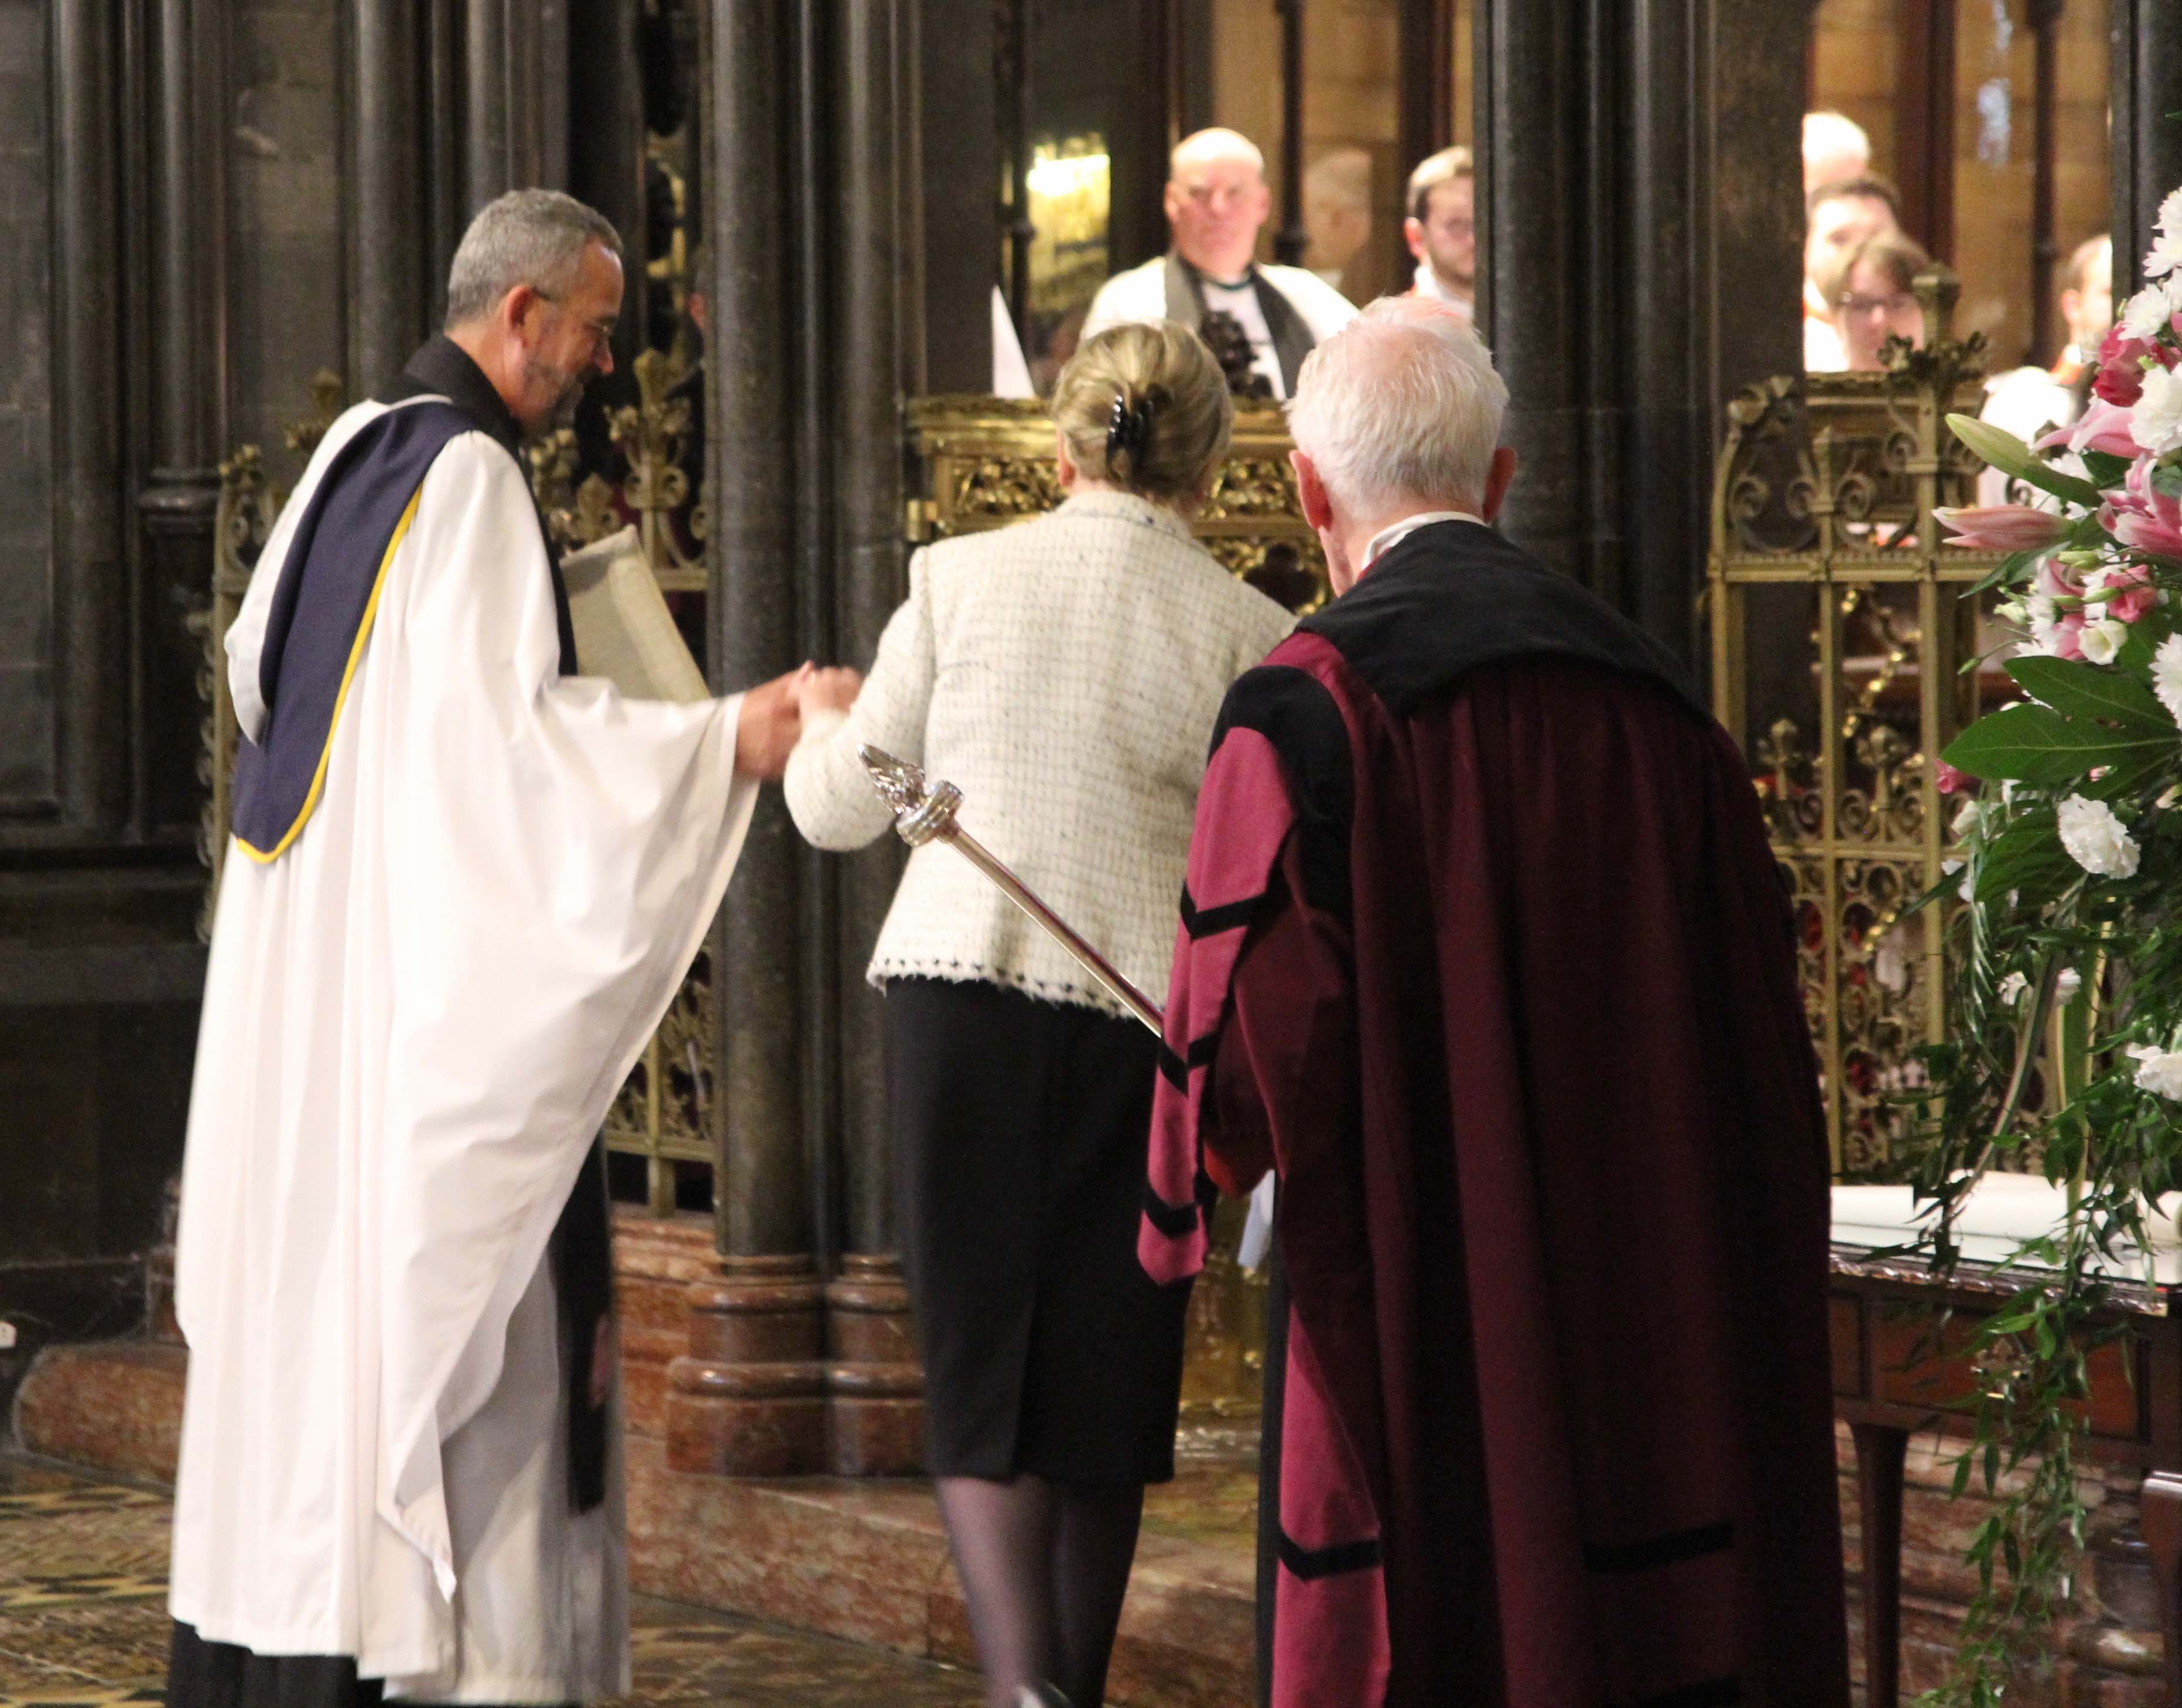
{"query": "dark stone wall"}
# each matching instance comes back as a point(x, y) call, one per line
point(27, 774)
point(285, 302)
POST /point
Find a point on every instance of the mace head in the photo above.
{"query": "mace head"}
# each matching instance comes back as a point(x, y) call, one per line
point(921, 811)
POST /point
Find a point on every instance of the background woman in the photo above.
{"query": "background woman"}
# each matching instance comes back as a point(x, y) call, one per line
point(1874, 299)
point(1064, 673)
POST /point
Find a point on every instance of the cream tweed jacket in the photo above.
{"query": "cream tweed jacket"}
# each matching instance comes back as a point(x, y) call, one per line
point(1065, 674)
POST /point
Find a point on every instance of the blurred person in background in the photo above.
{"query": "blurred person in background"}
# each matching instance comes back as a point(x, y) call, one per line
point(1441, 229)
point(2028, 401)
point(1840, 214)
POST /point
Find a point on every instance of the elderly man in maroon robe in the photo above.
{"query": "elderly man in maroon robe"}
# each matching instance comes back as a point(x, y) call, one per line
point(1483, 953)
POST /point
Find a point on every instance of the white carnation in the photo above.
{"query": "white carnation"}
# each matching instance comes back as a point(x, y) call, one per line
point(2170, 214)
point(2165, 256)
point(2045, 622)
point(2146, 312)
point(2155, 422)
point(1967, 889)
point(2157, 1070)
point(1970, 814)
point(2012, 988)
point(2066, 987)
point(2096, 839)
point(2166, 675)
point(2100, 641)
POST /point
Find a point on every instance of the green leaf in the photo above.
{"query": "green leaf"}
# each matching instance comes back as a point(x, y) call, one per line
point(2036, 744)
point(2079, 689)
point(2104, 467)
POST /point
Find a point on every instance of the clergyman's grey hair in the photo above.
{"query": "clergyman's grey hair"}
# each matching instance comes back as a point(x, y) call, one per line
point(532, 237)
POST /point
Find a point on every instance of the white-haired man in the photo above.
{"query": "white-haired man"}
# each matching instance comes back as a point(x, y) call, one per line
point(1441, 229)
point(1836, 149)
point(1216, 204)
point(465, 882)
point(1482, 952)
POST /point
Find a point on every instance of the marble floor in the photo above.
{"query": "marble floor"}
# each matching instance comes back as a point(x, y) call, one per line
point(83, 1618)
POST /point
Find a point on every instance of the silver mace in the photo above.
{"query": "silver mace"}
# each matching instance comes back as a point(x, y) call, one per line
point(925, 813)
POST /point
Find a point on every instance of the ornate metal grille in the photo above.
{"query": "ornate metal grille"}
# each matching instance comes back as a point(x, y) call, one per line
point(1844, 656)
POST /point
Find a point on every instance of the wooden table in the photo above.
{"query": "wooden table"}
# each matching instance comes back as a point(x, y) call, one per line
point(1879, 1310)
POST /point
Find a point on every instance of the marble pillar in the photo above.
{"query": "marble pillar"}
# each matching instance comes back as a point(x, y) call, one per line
point(90, 557)
point(2146, 42)
point(185, 248)
point(383, 170)
point(748, 1397)
point(874, 1410)
point(1639, 225)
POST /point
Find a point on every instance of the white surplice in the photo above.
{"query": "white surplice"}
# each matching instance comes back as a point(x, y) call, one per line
point(414, 1021)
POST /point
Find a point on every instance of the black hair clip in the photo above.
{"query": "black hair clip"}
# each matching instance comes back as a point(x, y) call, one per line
point(1129, 429)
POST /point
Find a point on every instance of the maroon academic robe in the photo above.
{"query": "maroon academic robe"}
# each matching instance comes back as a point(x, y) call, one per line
point(1483, 950)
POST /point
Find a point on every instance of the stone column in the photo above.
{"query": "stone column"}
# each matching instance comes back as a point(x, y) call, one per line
point(958, 186)
point(1638, 228)
point(749, 1399)
point(875, 1407)
point(386, 213)
point(185, 248)
point(2146, 38)
point(90, 580)
point(515, 65)
point(1527, 91)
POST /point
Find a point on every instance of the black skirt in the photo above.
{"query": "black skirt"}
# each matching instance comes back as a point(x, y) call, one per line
point(1020, 1132)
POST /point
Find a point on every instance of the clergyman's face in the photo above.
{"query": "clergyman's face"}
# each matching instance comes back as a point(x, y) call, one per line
point(1838, 224)
point(1215, 208)
point(1447, 236)
point(573, 344)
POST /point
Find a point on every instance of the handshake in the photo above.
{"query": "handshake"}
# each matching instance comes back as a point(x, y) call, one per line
point(773, 714)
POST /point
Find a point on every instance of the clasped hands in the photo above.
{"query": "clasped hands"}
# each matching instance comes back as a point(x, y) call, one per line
point(773, 714)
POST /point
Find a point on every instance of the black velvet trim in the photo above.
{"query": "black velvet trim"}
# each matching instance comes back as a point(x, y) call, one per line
point(1209, 922)
point(1713, 1693)
point(1453, 597)
point(1174, 1221)
point(1654, 1551)
point(1295, 711)
point(1310, 1564)
point(1175, 1069)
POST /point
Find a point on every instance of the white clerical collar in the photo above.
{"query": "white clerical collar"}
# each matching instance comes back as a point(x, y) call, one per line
point(1387, 538)
point(1429, 284)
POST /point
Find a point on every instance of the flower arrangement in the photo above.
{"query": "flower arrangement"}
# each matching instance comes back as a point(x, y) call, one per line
point(2067, 962)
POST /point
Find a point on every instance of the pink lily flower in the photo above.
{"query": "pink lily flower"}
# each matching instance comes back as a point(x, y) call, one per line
point(2103, 426)
point(2144, 519)
point(1949, 781)
point(2001, 527)
point(2137, 596)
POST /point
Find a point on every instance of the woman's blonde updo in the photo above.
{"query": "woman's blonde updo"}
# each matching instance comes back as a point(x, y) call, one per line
point(1145, 407)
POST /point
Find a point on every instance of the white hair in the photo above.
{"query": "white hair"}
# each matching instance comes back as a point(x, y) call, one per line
point(1828, 136)
point(1402, 403)
point(1204, 147)
point(532, 237)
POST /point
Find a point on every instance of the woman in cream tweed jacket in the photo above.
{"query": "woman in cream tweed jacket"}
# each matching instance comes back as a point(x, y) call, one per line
point(1065, 674)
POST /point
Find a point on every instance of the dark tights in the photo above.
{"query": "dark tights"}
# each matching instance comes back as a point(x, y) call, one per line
point(1044, 1565)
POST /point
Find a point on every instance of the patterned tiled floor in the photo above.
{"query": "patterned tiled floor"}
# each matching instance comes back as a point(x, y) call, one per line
point(83, 1619)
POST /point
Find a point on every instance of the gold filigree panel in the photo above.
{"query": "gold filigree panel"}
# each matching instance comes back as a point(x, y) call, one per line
point(1844, 656)
point(980, 462)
